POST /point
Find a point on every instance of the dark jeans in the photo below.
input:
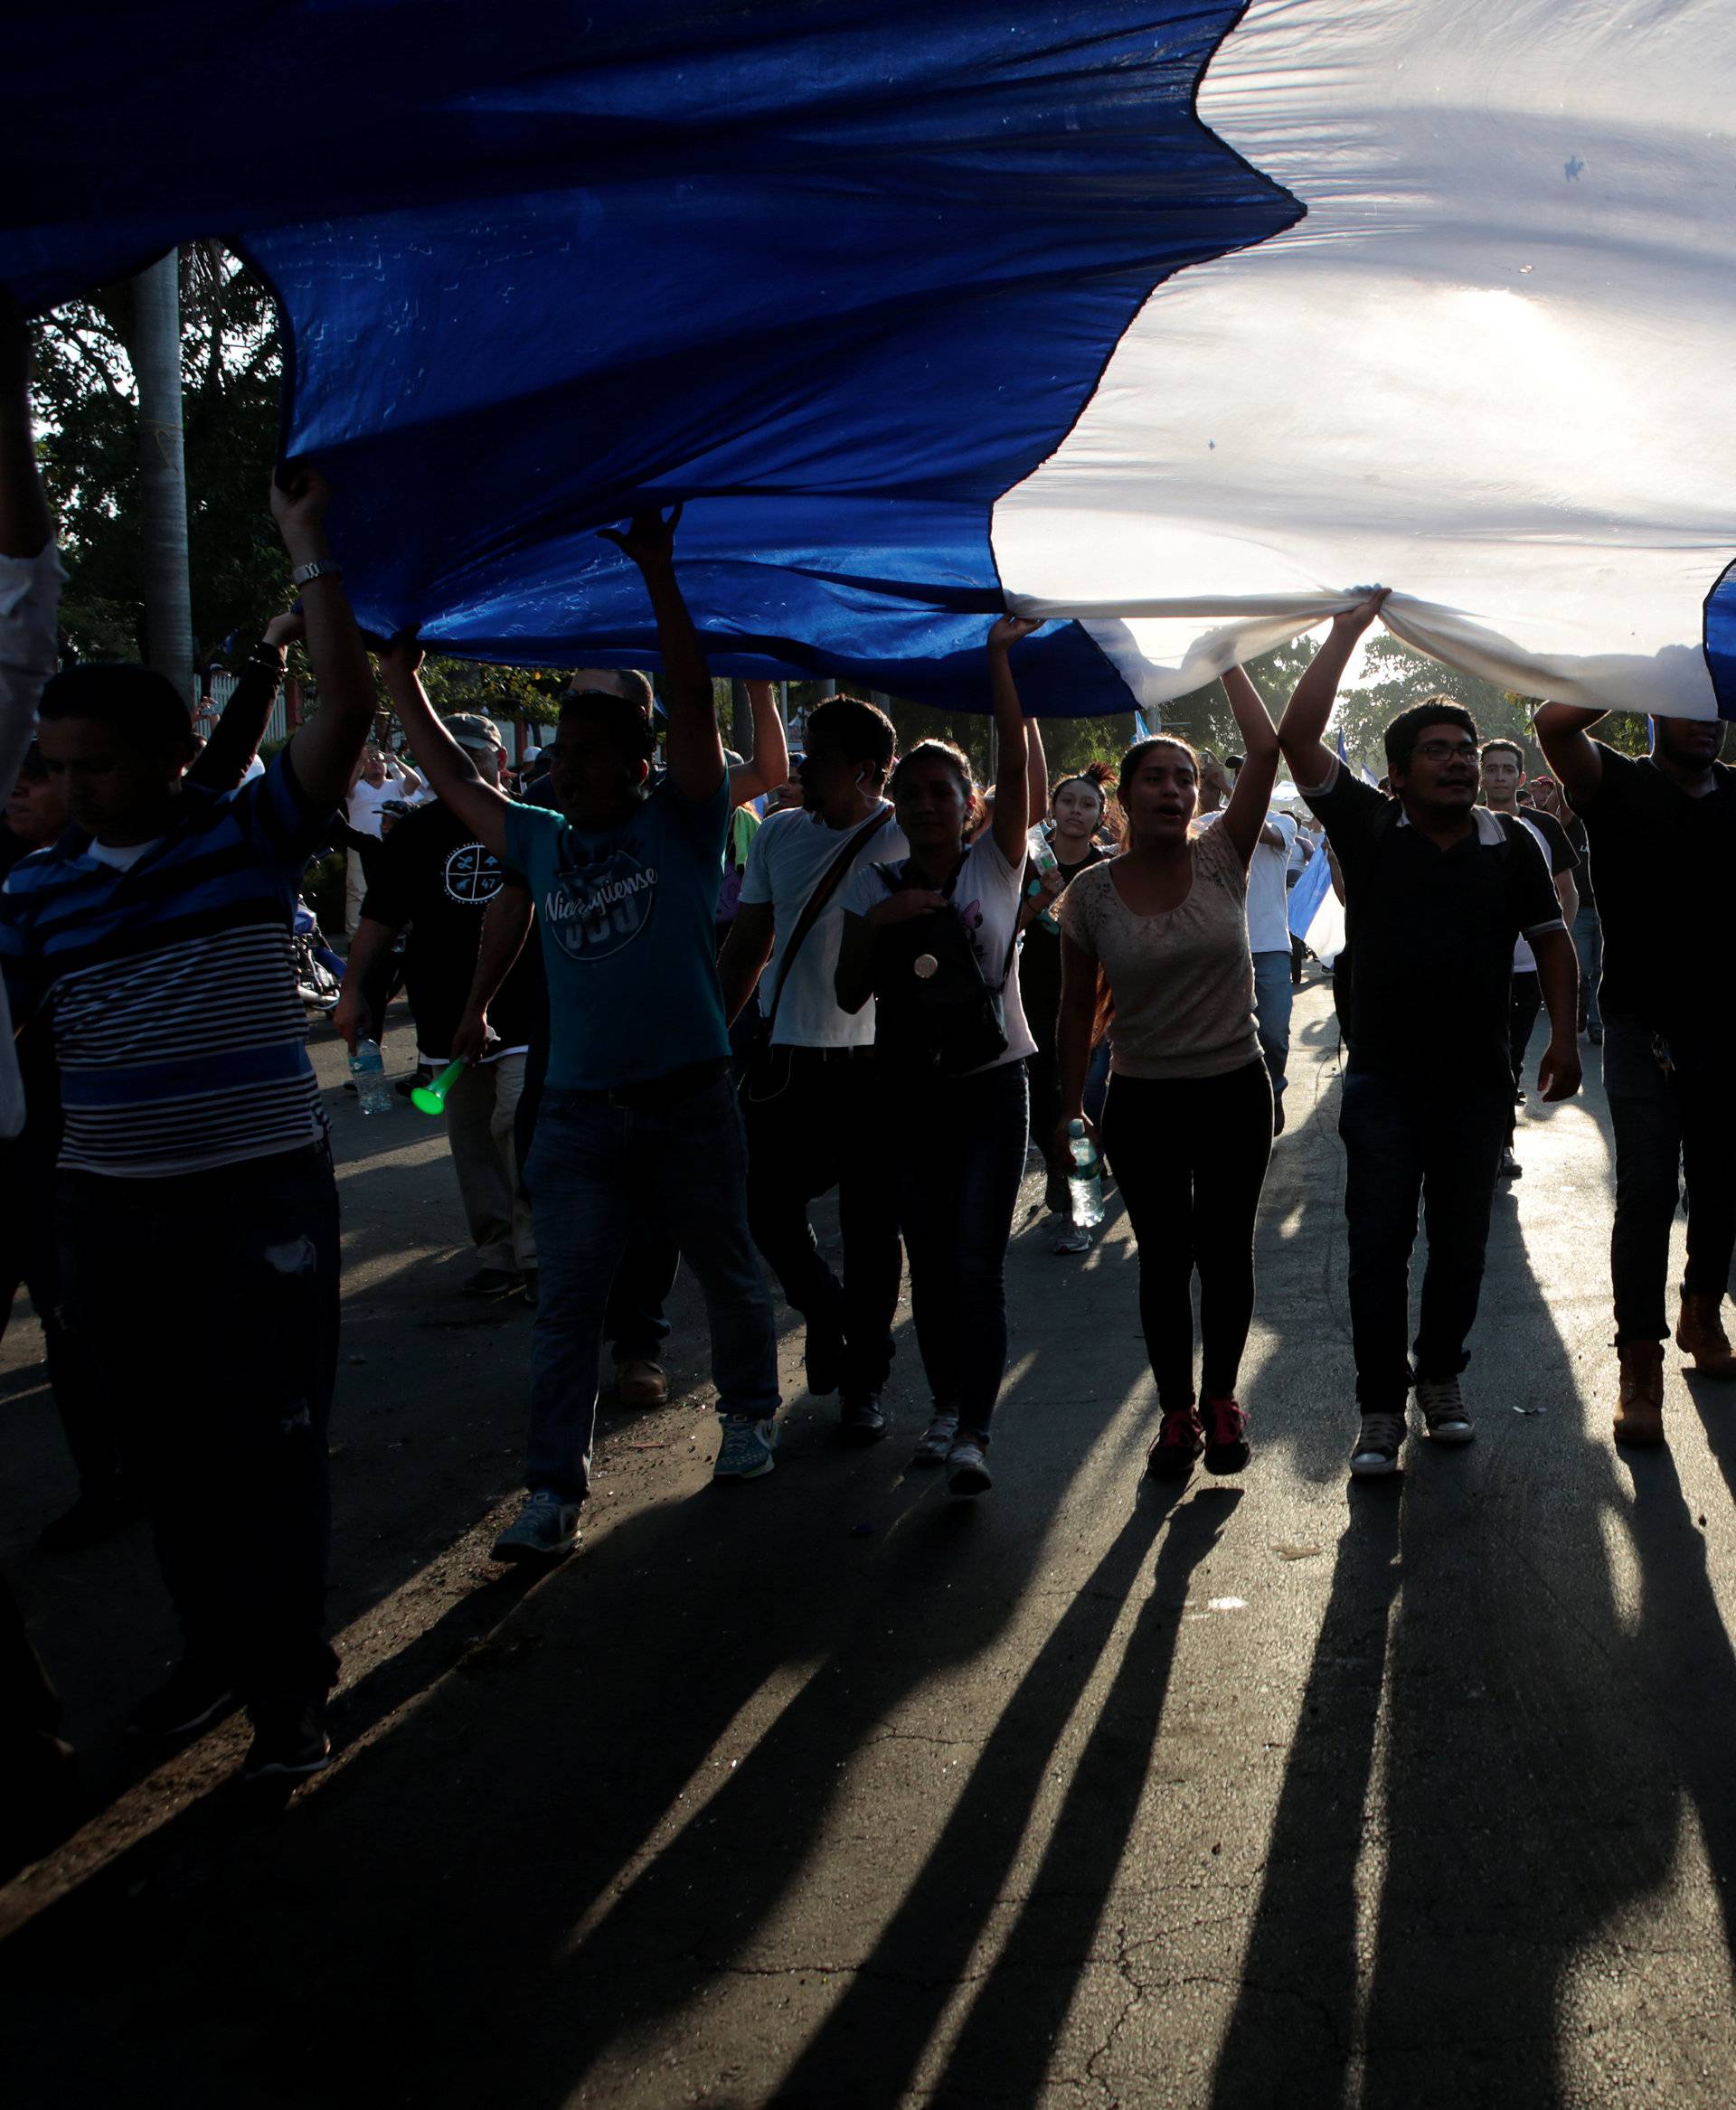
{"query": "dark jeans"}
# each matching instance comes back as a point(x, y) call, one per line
point(632, 1324)
point(1667, 1124)
point(809, 1116)
point(1587, 943)
point(1189, 1155)
point(226, 1391)
point(1410, 1141)
point(601, 1172)
point(1524, 1001)
point(29, 1254)
point(958, 1146)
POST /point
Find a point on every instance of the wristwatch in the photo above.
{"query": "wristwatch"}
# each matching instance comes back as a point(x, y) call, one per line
point(321, 568)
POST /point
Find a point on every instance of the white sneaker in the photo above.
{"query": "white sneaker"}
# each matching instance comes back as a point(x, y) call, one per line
point(937, 1441)
point(967, 1468)
point(746, 1450)
point(1444, 1410)
point(545, 1527)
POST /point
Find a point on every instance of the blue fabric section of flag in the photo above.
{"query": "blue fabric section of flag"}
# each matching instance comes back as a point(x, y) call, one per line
point(1721, 641)
point(1309, 892)
point(839, 275)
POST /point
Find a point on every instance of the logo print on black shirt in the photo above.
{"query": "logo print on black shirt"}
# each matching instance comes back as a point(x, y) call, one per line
point(597, 908)
point(471, 875)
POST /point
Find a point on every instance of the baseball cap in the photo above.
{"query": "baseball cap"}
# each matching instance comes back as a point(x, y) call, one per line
point(472, 730)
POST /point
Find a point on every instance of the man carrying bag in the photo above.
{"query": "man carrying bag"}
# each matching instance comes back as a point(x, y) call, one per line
point(808, 1114)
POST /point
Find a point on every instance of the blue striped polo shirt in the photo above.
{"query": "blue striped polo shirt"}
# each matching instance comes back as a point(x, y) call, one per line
point(170, 986)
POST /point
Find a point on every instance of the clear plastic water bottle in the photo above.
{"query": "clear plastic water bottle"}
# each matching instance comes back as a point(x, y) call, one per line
point(1085, 1181)
point(368, 1068)
point(1044, 860)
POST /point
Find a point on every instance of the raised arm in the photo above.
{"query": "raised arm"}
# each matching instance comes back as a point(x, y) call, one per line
point(236, 736)
point(324, 752)
point(769, 764)
point(1563, 732)
point(1012, 770)
point(25, 528)
point(1245, 815)
point(1308, 710)
point(451, 774)
point(693, 747)
point(27, 641)
point(1036, 775)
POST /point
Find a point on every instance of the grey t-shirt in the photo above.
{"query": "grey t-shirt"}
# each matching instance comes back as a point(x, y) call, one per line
point(1182, 981)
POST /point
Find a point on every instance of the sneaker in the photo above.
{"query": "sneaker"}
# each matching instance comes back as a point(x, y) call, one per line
point(546, 1528)
point(862, 1420)
point(640, 1382)
point(1072, 1238)
point(1511, 1169)
point(966, 1466)
point(289, 1740)
point(494, 1282)
point(1226, 1437)
point(1377, 1447)
point(1179, 1440)
point(937, 1440)
point(1444, 1410)
point(97, 1514)
point(1595, 1035)
point(191, 1698)
point(746, 1450)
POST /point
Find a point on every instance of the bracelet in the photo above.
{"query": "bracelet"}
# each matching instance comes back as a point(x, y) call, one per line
point(321, 568)
point(267, 657)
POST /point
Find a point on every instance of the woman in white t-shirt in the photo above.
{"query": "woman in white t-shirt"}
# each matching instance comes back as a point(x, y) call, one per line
point(1187, 1125)
point(933, 940)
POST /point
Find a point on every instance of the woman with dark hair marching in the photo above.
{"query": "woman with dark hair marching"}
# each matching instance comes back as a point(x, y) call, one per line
point(1076, 809)
point(933, 940)
point(1187, 1126)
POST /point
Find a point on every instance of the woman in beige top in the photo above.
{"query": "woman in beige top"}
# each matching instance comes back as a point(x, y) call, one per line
point(1187, 1126)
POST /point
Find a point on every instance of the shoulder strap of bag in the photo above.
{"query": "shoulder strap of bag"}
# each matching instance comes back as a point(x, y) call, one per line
point(814, 905)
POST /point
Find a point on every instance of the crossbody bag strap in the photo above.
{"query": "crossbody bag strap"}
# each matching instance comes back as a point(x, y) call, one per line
point(814, 905)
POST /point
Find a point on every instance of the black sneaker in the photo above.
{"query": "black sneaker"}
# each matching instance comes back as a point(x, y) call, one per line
point(99, 1513)
point(289, 1741)
point(861, 1420)
point(192, 1697)
point(494, 1282)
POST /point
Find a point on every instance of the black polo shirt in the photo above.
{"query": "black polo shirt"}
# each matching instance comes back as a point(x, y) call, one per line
point(1430, 932)
point(1665, 862)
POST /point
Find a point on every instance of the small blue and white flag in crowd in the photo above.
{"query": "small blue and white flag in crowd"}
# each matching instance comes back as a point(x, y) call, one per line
point(1170, 320)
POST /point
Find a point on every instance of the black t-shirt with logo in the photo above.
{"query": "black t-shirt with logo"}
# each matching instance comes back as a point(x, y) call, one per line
point(433, 874)
point(1663, 862)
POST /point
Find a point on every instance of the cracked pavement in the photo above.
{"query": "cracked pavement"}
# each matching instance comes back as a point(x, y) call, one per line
point(1271, 1791)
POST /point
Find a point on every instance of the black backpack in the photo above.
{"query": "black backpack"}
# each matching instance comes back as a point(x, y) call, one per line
point(933, 1010)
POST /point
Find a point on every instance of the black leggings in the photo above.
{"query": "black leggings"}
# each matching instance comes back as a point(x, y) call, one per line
point(1189, 1155)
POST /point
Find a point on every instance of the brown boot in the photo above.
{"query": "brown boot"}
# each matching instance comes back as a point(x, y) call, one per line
point(1639, 1419)
point(1699, 1332)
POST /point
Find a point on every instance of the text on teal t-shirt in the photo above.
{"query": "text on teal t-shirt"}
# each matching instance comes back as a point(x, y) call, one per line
point(626, 918)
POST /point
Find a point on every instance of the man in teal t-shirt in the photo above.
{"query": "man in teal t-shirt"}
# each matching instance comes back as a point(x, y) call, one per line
point(639, 1126)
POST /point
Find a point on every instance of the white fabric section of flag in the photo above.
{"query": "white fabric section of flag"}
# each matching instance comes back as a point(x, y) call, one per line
point(1489, 369)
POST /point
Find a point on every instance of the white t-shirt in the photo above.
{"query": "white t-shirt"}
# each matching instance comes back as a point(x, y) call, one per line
point(789, 856)
point(985, 897)
point(1269, 897)
point(363, 811)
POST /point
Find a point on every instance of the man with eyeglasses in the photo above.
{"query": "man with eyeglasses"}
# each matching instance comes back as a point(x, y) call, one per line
point(1437, 890)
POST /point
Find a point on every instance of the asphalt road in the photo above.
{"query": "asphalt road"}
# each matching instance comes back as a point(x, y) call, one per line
point(827, 1791)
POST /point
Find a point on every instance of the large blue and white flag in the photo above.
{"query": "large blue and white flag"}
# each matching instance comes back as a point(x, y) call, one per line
point(1170, 319)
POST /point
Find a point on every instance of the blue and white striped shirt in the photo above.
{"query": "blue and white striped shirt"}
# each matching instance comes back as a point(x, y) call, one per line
point(170, 986)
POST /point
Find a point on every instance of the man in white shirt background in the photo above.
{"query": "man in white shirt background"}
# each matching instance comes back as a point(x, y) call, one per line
point(1269, 940)
point(379, 779)
point(804, 1096)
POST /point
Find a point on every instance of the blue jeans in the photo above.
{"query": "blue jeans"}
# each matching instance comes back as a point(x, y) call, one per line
point(601, 1172)
point(1587, 943)
point(1411, 1142)
point(961, 1145)
point(1274, 993)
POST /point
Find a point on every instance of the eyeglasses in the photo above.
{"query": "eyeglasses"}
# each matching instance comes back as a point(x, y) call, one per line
point(1445, 752)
